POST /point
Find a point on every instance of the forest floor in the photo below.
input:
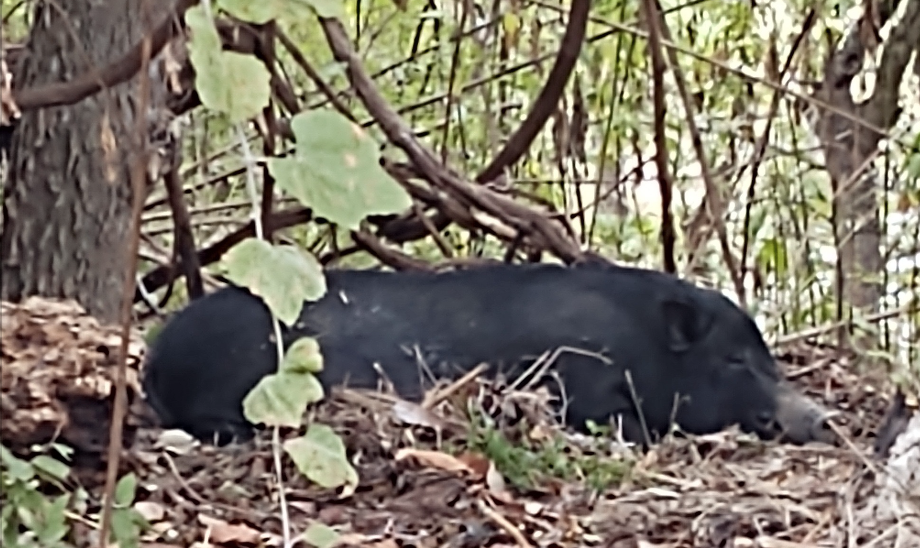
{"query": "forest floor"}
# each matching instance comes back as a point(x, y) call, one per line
point(488, 484)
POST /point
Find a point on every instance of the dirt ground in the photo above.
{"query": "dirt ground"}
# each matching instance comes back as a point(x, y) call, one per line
point(425, 486)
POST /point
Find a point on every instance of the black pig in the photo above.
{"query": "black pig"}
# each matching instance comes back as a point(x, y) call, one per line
point(692, 354)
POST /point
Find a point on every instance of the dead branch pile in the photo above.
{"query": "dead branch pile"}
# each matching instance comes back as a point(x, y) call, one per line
point(58, 375)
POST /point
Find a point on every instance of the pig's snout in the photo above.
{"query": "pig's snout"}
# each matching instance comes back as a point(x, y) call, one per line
point(801, 419)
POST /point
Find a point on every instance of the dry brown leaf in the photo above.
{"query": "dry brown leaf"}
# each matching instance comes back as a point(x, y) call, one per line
point(308, 507)
point(641, 543)
point(416, 415)
point(476, 462)
point(151, 511)
point(540, 432)
point(533, 507)
point(434, 459)
point(496, 483)
point(176, 441)
point(357, 539)
point(221, 532)
point(770, 542)
point(383, 543)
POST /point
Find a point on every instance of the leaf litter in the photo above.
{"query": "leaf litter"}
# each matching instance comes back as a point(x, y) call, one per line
point(422, 484)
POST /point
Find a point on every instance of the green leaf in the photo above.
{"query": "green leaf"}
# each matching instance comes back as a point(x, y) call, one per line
point(320, 456)
point(320, 535)
point(283, 276)
point(18, 469)
point(124, 490)
point(265, 10)
point(773, 252)
point(51, 466)
point(126, 527)
point(228, 82)
point(259, 12)
point(281, 398)
point(54, 522)
point(234, 84)
point(913, 166)
point(205, 41)
point(303, 356)
point(335, 171)
point(152, 333)
point(329, 8)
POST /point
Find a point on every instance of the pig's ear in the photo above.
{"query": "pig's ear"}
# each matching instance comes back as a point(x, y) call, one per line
point(686, 322)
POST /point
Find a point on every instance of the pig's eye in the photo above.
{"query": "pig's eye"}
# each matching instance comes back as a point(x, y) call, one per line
point(738, 365)
point(765, 418)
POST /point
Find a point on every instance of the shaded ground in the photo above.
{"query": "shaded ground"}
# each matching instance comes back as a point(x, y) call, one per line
point(422, 486)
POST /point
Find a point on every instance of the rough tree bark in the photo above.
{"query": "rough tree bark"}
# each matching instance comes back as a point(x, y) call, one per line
point(850, 146)
point(67, 201)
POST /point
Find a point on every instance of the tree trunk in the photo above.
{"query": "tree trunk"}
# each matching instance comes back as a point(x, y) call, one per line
point(67, 203)
point(850, 147)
